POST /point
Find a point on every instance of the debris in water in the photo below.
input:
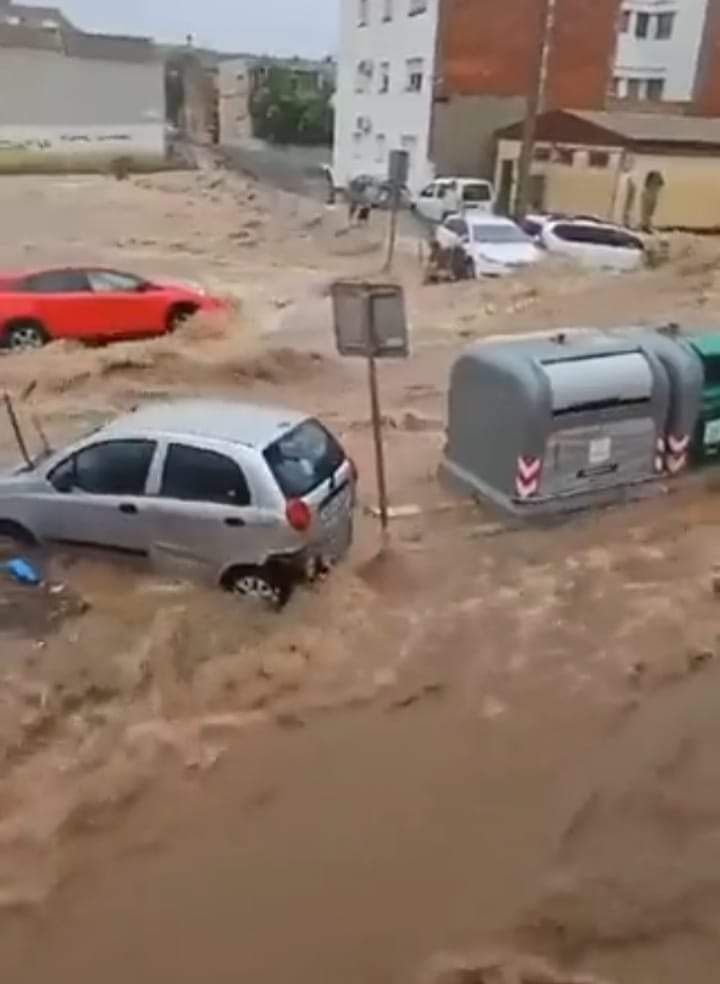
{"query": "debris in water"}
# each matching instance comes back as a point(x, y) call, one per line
point(23, 572)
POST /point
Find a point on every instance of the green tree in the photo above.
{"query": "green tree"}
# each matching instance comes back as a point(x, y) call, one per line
point(290, 108)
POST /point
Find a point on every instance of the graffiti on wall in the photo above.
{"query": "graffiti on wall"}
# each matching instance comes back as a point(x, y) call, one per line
point(43, 144)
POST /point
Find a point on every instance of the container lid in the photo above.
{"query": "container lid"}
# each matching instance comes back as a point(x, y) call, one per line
point(598, 381)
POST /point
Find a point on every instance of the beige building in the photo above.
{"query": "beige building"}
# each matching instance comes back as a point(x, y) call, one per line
point(608, 163)
point(73, 100)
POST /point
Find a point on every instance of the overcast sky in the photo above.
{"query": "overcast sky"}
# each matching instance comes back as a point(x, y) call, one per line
point(287, 27)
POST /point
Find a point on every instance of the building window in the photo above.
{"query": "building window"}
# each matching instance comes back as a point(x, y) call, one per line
point(565, 155)
point(633, 89)
point(384, 77)
point(664, 26)
point(625, 18)
point(418, 7)
point(615, 86)
point(357, 145)
point(642, 25)
point(387, 10)
point(415, 67)
point(598, 158)
point(655, 89)
point(380, 148)
point(363, 12)
point(363, 76)
point(542, 154)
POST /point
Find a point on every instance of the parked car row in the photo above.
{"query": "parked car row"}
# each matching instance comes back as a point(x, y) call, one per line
point(495, 246)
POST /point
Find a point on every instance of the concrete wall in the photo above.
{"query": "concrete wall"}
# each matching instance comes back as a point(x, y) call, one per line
point(463, 128)
point(65, 110)
point(396, 119)
point(234, 95)
point(673, 59)
point(689, 200)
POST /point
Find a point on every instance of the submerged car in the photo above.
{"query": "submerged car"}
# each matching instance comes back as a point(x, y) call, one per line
point(92, 304)
point(247, 497)
point(593, 243)
point(493, 246)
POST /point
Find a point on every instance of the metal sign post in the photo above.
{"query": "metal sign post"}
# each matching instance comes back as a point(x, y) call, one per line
point(370, 322)
point(376, 418)
point(398, 169)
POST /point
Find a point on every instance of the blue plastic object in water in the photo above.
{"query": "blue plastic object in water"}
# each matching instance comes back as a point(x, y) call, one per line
point(22, 572)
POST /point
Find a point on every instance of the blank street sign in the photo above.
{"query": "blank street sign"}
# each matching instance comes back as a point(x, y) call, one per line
point(370, 320)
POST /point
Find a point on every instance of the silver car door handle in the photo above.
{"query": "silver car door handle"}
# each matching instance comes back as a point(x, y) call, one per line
point(234, 521)
point(129, 508)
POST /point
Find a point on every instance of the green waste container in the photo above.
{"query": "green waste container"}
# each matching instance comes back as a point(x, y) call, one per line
point(705, 445)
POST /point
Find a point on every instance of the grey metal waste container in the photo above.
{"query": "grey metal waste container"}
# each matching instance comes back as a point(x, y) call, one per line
point(543, 425)
point(685, 373)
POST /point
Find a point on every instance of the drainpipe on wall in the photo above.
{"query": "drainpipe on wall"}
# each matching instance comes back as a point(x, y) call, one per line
point(620, 170)
point(535, 106)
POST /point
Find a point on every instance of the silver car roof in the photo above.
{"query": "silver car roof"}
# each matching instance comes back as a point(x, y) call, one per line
point(251, 424)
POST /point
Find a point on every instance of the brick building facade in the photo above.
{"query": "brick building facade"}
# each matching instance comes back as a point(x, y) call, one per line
point(487, 60)
point(489, 48)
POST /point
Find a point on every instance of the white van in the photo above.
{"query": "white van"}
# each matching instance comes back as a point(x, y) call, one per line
point(444, 196)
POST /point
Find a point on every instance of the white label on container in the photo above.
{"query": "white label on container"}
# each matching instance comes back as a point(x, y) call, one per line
point(600, 451)
point(712, 432)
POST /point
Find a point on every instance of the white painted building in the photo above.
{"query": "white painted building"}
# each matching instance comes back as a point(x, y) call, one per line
point(658, 50)
point(385, 87)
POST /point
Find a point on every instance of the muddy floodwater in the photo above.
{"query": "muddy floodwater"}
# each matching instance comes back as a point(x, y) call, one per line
point(491, 740)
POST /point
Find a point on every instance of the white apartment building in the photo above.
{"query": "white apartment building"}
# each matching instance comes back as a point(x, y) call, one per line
point(658, 50)
point(385, 87)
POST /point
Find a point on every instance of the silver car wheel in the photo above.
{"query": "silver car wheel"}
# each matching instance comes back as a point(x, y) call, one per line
point(256, 586)
point(27, 336)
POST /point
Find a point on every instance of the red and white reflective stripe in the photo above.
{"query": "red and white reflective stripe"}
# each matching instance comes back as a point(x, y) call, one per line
point(676, 463)
point(527, 480)
point(660, 455)
point(678, 445)
point(676, 459)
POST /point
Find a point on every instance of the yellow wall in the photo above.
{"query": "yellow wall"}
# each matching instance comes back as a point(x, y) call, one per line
point(690, 198)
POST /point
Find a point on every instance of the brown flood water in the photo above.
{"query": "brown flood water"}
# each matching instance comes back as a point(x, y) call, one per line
point(348, 851)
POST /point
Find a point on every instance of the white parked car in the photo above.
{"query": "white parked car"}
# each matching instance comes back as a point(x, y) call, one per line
point(596, 244)
point(493, 246)
point(445, 196)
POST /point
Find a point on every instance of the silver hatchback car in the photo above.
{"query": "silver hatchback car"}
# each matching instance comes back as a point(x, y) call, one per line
point(246, 496)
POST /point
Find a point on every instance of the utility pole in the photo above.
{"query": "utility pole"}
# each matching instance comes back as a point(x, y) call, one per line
point(535, 104)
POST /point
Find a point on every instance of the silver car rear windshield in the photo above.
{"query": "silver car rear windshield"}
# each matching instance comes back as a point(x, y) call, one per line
point(304, 458)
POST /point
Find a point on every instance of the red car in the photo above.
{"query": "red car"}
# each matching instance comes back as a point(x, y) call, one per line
point(91, 304)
